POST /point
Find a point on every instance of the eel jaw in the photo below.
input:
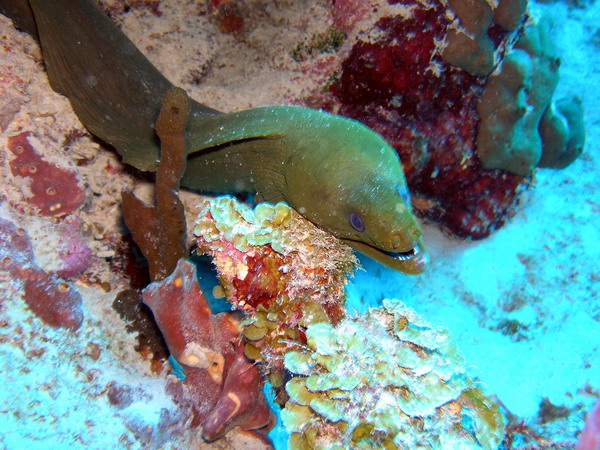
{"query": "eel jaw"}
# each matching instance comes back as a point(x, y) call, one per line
point(413, 262)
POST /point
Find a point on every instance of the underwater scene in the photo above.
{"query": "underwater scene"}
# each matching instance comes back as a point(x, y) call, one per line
point(300, 224)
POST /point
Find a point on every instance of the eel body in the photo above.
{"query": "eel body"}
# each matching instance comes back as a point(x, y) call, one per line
point(336, 172)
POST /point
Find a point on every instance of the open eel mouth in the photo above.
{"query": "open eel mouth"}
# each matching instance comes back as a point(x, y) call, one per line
point(403, 256)
point(412, 262)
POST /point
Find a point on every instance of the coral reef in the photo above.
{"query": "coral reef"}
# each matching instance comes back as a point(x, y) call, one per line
point(288, 278)
point(411, 391)
point(95, 369)
point(66, 268)
point(222, 388)
point(280, 269)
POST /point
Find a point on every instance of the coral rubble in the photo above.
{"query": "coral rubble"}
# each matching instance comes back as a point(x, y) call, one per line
point(385, 380)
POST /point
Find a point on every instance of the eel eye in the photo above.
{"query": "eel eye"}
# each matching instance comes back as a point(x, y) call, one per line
point(357, 222)
point(403, 191)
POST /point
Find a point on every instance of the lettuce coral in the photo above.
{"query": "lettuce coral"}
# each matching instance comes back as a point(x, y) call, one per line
point(386, 380)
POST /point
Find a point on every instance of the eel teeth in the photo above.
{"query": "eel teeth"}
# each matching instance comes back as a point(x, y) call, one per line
point(405, 256)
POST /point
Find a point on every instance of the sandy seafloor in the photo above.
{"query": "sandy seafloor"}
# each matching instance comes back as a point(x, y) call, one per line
point(543, 267)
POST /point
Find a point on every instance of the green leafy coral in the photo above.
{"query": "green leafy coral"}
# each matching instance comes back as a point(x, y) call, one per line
point(386, 380)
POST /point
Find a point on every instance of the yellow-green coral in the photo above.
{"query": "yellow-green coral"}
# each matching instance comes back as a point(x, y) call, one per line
point(278, 225)
point(387, 380)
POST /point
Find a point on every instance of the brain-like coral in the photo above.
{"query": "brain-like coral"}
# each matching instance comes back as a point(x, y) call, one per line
point(385, 380)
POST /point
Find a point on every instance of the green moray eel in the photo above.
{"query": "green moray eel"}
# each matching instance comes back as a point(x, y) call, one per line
point(336, 172)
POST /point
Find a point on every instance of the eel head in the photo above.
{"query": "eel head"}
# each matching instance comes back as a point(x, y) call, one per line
point(349, 181)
